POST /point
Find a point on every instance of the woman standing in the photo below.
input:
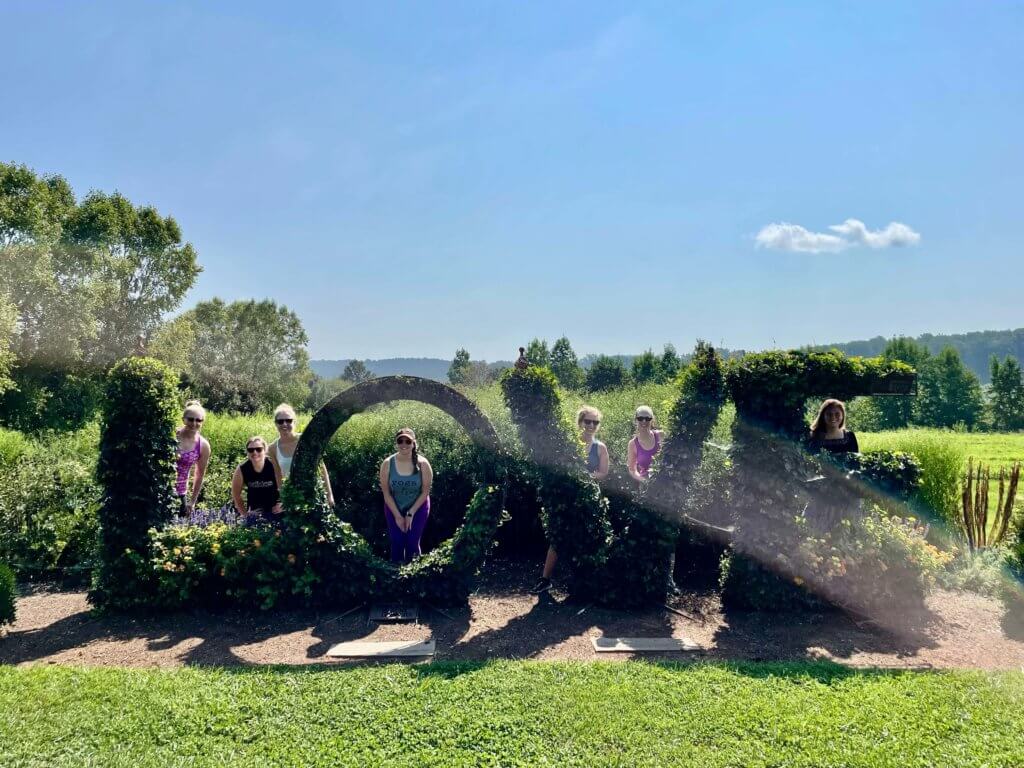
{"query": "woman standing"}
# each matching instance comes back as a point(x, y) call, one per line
point(828, 431)
point(282, 450)
point(588, 419)
point(193, 452)
point(644, 445)
point(405, 480)
point(261, 479)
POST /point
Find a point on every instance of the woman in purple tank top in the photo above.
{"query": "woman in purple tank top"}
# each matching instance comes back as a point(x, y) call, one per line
point(644, 446)
point(193, 451)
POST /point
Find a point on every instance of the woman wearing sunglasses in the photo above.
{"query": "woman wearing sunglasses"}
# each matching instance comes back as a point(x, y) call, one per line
point(261, 479)
point(644, 445)
point(282, 450)
point(588, 419)
point(193, 453)
point(405, 479)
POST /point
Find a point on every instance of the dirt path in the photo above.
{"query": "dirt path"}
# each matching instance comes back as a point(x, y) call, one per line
point(502, 621)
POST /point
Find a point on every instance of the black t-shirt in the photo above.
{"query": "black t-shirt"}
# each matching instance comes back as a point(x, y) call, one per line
point(846, 444)
point(261, 487)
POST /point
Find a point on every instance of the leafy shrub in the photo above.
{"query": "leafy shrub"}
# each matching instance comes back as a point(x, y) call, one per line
point(6, 595)
point(50, 398)
point(877, 564)
point(48, 504)
point(895, 473)
point(980, 571)
point(942, 465)
point(135, 468)
point(324, 563)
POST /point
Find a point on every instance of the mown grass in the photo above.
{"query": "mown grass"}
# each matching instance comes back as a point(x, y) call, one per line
point(511, 714)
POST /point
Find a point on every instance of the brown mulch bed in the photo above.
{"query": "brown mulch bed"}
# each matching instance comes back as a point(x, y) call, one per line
point(503, 621)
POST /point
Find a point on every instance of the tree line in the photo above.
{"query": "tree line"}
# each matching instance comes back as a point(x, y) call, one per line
point(605, 372)
point(86, 282)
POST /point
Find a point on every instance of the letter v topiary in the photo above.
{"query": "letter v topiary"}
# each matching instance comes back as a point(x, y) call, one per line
point(574, 513)
point(135, 469)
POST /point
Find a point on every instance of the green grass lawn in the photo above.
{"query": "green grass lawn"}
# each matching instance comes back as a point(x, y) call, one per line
point(999, 449)
point(509, 713)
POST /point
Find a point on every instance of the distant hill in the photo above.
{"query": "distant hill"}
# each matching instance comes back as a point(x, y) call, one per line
point(975, 348)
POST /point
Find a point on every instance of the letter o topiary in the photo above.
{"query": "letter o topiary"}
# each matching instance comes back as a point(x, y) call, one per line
point(344, 564)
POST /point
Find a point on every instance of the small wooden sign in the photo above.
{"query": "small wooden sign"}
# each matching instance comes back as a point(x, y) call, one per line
point(895, 384)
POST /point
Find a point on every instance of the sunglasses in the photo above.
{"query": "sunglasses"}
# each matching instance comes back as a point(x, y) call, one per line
point(403, 441)
point(591, 422)
point(284, 421)
point(255, 449)
point(644, 418)
point(193, 419)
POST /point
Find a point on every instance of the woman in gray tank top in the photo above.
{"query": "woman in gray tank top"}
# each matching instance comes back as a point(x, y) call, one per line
point(405, 480)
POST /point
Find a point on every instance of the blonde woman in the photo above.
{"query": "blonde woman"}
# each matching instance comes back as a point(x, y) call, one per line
point(282, 450)
point(193, 454)
point(588, 420)
point(260, 477)
point(644, 445)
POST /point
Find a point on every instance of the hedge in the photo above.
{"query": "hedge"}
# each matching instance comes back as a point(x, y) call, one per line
point(6, 595)
point(135, 465)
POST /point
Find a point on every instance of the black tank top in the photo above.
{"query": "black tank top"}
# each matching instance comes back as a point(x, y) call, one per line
point(261, 487)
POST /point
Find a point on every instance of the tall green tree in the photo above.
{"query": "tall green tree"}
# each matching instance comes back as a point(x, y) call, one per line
point(461, 368)
point(85, 280)
point(248, 355)
point(356, 372)
point(669, 364)
point(646, 368)
point(1006, 394)
point(565, 365)
point(606, 373)
point(537, 353)
point(8, 318)
point(144, 262)
point(950, 394)
point(897, 412)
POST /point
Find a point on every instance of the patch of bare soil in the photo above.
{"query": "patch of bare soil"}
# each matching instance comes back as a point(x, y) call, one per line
point(503, 621)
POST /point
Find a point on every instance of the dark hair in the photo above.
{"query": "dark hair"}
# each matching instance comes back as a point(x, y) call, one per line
point(415, 454)
point(818, 426)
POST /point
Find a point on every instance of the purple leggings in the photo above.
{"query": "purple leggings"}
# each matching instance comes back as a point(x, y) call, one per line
point(406, 545)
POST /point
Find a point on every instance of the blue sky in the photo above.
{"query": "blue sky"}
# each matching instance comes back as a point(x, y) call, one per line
point(412, 178)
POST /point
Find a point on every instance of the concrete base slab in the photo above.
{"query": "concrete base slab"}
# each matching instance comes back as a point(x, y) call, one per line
point(382, 649)
point(643, 644)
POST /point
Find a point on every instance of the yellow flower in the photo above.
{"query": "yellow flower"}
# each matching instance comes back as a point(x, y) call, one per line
point(291, 559)
point(256, 543)
point(798, 581)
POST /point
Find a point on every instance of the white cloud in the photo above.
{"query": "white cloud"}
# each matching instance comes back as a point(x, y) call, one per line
point(793, 237)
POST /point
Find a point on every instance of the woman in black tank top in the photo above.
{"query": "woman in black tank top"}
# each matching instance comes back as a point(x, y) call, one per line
point(260, 478)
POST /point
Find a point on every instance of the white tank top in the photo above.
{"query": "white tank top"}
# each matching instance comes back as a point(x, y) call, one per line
point(284, 461)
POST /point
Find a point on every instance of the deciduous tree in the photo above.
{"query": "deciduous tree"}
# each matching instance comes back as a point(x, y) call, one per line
point(1007, 394)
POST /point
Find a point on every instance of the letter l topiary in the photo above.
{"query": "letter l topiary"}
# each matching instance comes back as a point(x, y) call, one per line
point(135, 468)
